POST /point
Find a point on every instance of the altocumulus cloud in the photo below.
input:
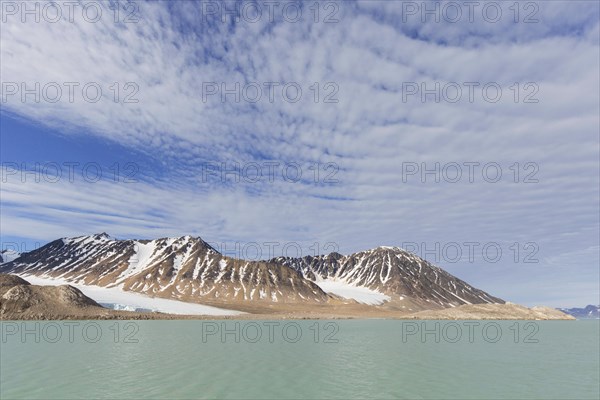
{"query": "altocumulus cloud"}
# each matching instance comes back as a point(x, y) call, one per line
point(371, 133)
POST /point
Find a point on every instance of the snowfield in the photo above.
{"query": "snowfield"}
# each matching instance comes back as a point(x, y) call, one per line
point(359, 293)
point(118, 299)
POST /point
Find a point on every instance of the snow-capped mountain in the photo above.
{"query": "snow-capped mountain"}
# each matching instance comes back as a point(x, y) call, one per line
point(391, 272)
point(588, 312)
point(184, 268)
point(8, 255)
point(189, 269)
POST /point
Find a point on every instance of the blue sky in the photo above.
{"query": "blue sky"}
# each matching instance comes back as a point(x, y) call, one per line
point(169, 143)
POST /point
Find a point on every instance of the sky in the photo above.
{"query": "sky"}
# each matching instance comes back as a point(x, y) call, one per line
point(467, 134)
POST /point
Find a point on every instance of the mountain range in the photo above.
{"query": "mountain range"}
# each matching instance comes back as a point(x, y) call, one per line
point(188, 269)
point(392, 271)
point(588, 312)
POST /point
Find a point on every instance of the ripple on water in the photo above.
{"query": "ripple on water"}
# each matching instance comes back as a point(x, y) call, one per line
point(170, 360)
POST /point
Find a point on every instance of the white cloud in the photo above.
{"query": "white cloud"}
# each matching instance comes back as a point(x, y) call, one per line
point(369, 133)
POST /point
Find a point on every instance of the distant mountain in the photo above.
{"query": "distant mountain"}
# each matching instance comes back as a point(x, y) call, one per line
point(393, 272)
point(589, 312)
point(184, 268)
point(189, 269)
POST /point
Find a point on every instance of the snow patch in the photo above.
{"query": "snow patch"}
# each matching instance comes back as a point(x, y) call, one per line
point(138, 261)
point(359, 293)
point(121, 300)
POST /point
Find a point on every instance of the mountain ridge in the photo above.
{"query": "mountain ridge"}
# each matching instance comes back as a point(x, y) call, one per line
point(588, 312)
point(189, 269)
point(393, 271)
point(181, 268)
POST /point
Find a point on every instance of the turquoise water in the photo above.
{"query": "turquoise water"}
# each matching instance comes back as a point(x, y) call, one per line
point(300, 360)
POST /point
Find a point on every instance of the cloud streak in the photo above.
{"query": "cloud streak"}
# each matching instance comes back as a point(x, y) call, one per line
point(371, 133)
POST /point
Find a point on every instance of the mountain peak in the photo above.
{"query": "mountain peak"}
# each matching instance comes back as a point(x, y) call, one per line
point(187, 267)
point(184, 268)
point(387, 249)
point(183, 240)
point(393, 272)
point(105, 237)
point(588, 312)
point(394, 248)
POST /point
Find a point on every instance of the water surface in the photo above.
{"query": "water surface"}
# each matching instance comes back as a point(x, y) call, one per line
point(300, 359)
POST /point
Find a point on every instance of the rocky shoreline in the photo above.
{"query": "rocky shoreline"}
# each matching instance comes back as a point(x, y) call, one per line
point(19, 300)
